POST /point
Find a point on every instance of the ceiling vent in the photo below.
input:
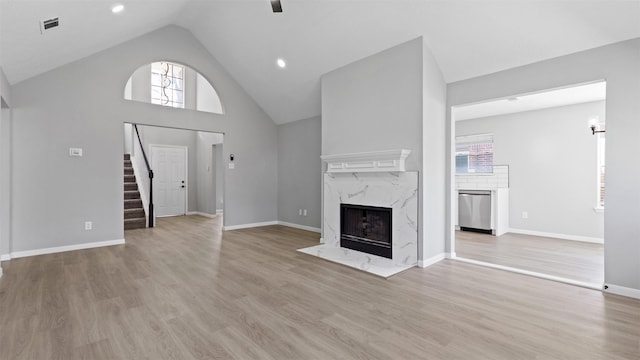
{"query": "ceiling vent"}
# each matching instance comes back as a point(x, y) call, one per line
point(276, 6)
point(48, 24)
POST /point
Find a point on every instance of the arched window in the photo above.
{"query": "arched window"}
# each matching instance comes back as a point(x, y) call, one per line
point(175, 85)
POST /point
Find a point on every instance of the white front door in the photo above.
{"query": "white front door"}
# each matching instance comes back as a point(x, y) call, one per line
point(169, 165)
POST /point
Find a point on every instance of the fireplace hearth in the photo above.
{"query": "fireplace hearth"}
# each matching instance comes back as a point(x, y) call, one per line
point(366, 229)
point(397, 191)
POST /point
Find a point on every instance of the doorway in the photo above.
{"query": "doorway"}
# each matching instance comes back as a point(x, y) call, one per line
point(537, 156)
point(175, 155)
point(170, 170)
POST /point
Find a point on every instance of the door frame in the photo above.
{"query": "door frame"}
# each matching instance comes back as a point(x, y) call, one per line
point(186, 170)
point(450, 231)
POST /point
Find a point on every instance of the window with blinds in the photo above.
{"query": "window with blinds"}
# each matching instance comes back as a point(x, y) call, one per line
point(474, 154)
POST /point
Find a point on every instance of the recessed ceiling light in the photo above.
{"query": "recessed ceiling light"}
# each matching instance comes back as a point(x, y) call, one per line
point(117, 8)
point(281, 63)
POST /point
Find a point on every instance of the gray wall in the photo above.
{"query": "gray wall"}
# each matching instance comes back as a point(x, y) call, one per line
point(207, 98)
point(433, 186)
point(375, 104)
point(552, 161)
point(393, 100)
point(5, 88)
point(210, 169)
point(59, 193)
point(619, 64)
point(5, 166)
point(140, 83)
point(299, 172)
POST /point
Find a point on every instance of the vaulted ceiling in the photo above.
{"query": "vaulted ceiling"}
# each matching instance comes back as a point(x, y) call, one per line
point(468, 37)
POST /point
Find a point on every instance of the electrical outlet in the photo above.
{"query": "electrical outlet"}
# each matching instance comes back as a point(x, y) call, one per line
point(88, 225)
point(525, 215)
point(299, 211)
point(304, 212)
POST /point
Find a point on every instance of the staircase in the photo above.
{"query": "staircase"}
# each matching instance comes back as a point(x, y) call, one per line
point(134, 215)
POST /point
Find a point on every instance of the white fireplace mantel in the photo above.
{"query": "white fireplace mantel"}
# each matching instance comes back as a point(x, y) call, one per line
point(373, 161)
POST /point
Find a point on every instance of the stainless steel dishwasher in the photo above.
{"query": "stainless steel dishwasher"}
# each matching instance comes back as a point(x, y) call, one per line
point(474, 210)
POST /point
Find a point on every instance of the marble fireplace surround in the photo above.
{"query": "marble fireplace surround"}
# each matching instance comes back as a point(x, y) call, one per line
point(371, 186)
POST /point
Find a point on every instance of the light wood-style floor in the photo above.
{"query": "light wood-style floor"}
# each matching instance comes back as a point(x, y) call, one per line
point(575, 260)
point(186, 290)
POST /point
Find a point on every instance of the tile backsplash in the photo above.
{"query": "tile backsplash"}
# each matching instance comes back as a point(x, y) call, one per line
point(497, 180)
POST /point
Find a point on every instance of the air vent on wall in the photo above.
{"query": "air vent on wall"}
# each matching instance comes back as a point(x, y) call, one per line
point(276, 6)
point(48, 24)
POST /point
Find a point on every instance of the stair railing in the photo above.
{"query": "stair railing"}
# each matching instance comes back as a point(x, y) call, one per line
point(146, 161)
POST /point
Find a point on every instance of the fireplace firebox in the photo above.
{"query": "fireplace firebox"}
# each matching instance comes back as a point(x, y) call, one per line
point(366, 229)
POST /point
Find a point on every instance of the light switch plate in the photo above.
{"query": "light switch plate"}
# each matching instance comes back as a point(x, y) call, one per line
point(75, 151)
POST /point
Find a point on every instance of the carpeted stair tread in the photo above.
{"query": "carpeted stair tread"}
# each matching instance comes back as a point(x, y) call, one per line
point(134, 215)
point(131, 194)
point(135, 223)
point(132, 203)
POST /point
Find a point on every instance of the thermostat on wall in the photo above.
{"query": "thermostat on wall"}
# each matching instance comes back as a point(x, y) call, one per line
point(75, 151)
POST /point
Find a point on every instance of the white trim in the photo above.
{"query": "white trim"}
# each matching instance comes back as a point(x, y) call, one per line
point(558, 236)
point(247, 226)
point(583, 284)
point(301, 227)
point(0, 271)
point(58, 249)
point(5, 257)
point(219, 211)
point(621, 290)
point(373, 161)
point(432, 260)
point(212, 216)
point(450, 255)
point(598, 209)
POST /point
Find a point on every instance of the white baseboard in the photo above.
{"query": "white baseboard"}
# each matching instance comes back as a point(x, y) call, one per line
point(269, 223)
point(219, 211)
point(0, 271)
point(430, 261)
point(5, 257)
point(201, 214)
point(450, 255)
point(621, 290)
point(297, 226)
point(557, 236)
point(53, 250)
point(246, 226)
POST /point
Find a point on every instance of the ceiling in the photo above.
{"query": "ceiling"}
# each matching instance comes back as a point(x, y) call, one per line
point(527, 102)
point(468, 37)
